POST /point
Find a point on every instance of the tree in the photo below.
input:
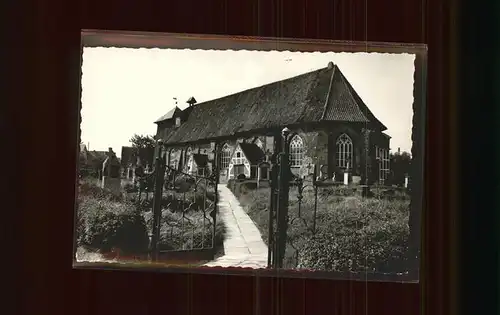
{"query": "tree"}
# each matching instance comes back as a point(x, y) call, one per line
point(142, 141)
point(400, 167)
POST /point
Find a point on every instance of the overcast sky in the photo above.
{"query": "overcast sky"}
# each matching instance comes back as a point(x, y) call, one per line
point(125, 90)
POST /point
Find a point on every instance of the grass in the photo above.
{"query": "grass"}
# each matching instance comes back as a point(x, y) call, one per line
point(353, 224)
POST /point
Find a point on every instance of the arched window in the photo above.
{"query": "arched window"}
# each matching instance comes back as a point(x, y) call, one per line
point(174, 158)
point(225, 156)
point(344, 151)
point(296, 151)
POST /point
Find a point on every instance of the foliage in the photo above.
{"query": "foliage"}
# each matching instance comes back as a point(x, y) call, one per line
point(352, 233)
point(142, 141)
point(105, 221)
point(192, 231)
point(239, 187)
point(88, 187)
point(130, 188)
point(359, 235)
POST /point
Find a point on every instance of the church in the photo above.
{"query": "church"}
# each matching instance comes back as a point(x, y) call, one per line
point(332, 129)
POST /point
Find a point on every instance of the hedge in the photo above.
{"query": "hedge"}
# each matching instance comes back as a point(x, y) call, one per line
point(359, 235)
point(105, 221)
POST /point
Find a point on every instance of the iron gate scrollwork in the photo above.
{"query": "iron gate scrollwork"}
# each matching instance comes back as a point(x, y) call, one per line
point(293, 208)
point(184, 210)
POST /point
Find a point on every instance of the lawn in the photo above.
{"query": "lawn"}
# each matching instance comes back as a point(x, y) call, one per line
point(351, 233)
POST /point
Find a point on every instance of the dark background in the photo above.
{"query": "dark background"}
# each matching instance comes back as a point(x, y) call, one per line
point(38, 129)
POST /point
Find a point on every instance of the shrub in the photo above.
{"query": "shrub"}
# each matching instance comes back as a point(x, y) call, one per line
point(130, 188)
point(89, 188)
point(105, 221)
point(359, 235)
point(352, 233)
point(193, 232)
point(241, 187)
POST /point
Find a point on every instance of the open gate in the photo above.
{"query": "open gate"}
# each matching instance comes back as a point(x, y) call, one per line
point(184, 213)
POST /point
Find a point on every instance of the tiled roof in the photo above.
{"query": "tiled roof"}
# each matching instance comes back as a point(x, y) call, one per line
point(170, 114)
point(345, 104)
point(201, 160)
point(252, 152)
point(320, 95)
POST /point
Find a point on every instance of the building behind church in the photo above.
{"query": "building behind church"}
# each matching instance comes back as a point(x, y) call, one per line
point(332, 129)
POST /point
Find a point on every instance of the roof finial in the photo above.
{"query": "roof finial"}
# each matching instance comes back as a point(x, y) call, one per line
point(330, 65)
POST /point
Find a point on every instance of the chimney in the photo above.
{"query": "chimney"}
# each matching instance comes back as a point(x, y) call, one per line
point(399, 150)
point(191, 101)
point(330, 65)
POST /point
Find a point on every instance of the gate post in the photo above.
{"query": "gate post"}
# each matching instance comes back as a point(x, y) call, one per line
point(157, 199)
point(215, 175)
point(273, 205)
point(283, 197)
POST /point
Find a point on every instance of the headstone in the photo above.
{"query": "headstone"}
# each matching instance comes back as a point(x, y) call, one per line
point(111, 173)
point(356, 180)
point(406, 181)
point(323, 171)
point(346, 175)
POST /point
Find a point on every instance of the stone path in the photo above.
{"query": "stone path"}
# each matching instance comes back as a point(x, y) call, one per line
point(243, 246)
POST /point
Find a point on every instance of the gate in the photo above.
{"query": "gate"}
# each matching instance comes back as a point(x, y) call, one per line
point(293, 208)
point(184, 213)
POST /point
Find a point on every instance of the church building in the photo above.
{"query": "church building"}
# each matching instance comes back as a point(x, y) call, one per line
point(331, 129)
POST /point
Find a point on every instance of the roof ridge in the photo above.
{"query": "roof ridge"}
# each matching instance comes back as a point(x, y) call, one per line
point(365, 110)
point(349, 90)
point(327, 101)
point(260, 86)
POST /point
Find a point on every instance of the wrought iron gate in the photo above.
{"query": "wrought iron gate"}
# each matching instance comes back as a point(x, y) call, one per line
point(184, 212)
point(291, 214)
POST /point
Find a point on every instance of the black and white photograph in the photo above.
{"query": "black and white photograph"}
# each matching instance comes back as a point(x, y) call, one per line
point(262, 159)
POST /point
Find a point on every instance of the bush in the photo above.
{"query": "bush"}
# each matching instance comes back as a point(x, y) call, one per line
point(105, 221)
point(191, 233)
point(89, 188)
point(352, 233)
point(359, 235)
point(241, 187)
point(130, 188)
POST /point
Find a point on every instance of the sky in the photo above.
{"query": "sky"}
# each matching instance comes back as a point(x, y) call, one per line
point(125, 90)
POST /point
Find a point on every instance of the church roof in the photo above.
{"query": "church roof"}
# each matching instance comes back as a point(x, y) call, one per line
point(252, 152)
point(169, 115)
point(320, 95)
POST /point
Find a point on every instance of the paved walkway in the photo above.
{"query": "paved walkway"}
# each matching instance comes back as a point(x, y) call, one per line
point(243, 246)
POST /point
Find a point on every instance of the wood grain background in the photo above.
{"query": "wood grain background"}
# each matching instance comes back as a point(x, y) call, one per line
point(46, 44)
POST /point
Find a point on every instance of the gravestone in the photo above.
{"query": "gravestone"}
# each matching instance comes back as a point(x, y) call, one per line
point(323, 172)
point(356, 180)
point(111, 173)
point(346, 175)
